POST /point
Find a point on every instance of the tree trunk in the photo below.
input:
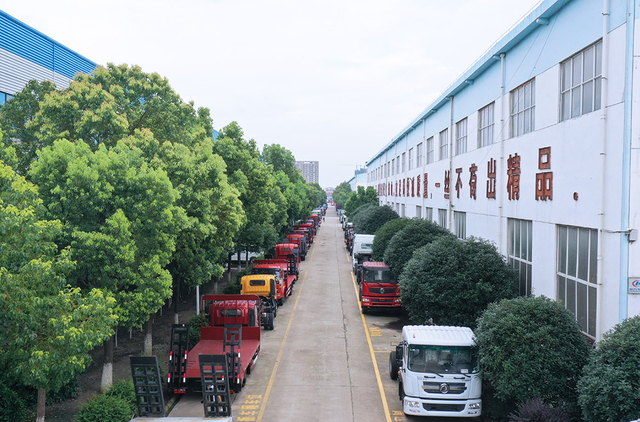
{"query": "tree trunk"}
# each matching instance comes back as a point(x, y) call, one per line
point(246, 259)
point(176, 298)
point(42, 400)
point(107, 366)
point(239, 261)
point(148, 336)
point(229, 268)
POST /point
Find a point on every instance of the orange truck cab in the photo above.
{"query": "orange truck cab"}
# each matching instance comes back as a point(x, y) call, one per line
point(377, 288)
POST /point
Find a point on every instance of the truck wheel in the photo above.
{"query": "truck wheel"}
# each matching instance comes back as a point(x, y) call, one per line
point(365, 309)
point(281, 301)
point(393, 366)
point(270, 322)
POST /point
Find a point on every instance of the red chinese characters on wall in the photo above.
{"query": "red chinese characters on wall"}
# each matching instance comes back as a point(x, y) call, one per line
point(413, 186)
point(425, 190)
point(513, 177)
point(473, 180)
point(458, 182)
point(491, 179)
point(418, 186)
point(544, 180)
point(447, 183)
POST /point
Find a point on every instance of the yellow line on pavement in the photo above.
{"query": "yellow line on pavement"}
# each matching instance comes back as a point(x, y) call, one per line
point(263, 405)
point(383, 396)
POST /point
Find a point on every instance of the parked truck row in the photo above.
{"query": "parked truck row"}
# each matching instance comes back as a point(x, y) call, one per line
point(231, 324)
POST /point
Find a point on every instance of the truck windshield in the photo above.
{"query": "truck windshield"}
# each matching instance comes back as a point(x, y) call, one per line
point(441, 359)
point(378, 276)
point(366, 246)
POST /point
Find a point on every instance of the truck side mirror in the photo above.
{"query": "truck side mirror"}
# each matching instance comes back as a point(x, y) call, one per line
point(399, 353)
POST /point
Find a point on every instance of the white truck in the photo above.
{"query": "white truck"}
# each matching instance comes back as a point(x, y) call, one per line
point(361, 252)
point(438, 371)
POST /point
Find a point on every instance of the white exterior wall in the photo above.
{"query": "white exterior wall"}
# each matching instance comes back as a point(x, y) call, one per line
point(576, 145)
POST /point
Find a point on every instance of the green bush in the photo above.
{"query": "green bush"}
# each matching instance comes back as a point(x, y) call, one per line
point(452, 281)
point(359, 198)
point(538, 411)
point(105, 408)
point(371, 219)
point(609, 388)
point(384, 235)
point(125, 391)
point(232, 288)
point(414, 235)
point(12, 406)
point(531, 347)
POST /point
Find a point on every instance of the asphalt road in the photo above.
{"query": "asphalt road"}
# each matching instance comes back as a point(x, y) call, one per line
point(318, 363)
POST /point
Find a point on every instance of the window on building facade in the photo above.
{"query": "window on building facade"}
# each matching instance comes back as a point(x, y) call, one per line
point(398, 164)
point(393, 166)
point(428, 213)
point(420, 153)
point(581, 82)
point(411, 159)
point(519, 252)
point(430, 148)
point(442, 218)
point(461, 136)
point(404, 162)
point(460, 224)
point(577, 274)
point(523, 102)
point(485, 125)
point(444, 144)
point(418, 211)
point(403, 213)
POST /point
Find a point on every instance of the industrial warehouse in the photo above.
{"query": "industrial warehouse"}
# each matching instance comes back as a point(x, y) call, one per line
point(535, 148)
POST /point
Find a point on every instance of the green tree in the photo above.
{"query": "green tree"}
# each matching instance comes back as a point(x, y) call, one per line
point(14, 116)
point(48, 327)
point(360, 197)
point(262, 201)
point(316, 195)
point(608, 389)
point(413, 236)
point(531, 347)
point(452, 281)
point(341, 193)
point(121, 221)
point(384, 235)
point(281, 159)
point(373, 218)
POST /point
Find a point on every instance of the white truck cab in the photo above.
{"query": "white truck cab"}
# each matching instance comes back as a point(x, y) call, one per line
point(362, 250)
point(438, 373)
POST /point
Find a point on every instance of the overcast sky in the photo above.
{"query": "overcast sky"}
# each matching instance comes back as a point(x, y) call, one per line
point(332, 81)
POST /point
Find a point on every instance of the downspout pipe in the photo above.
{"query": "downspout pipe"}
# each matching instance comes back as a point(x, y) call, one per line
point(603, 164)
point(626, 160)
point(451, 177)
point(501, 244)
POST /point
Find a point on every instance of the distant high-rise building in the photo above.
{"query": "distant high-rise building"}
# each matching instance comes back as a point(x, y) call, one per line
point(310, 170)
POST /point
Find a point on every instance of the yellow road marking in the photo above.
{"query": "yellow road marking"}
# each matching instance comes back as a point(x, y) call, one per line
point(284, 341)
point(383, 396)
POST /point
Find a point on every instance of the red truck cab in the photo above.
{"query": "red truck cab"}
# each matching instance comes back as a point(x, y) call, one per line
point(290, 252)
point(300, 240)
point(377, 288)
point(279, 268)
point(230, 325)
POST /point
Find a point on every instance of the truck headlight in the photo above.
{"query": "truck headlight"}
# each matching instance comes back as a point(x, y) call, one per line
point(474, 406)
point(412, 404)
point(365, 299)
point(398, 300)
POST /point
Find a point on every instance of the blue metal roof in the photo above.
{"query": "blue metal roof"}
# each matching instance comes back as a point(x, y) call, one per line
point(26, 42)
point(521, 30)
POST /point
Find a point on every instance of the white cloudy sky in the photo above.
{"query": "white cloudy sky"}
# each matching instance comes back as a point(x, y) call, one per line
point(330, 80)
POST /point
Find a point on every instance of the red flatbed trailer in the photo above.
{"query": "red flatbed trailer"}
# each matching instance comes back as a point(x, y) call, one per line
point(222, 312)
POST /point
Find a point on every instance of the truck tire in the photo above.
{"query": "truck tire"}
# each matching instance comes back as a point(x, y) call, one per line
point(270, 322)
point(281, 301)
point(393, 365)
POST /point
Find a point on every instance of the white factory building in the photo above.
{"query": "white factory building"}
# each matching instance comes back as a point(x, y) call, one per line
point(535, 148)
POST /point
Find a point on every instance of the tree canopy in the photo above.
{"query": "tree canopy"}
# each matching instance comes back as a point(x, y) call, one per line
point(360, 197)
point(384, 234)
point(341, 194)
point(372, 218)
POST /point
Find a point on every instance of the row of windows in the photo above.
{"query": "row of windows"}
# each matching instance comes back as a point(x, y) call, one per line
point(4, 97)
point(580, 93)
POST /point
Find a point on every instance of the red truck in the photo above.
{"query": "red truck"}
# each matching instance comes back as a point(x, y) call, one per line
point(307, 226)
point(306, 232)
point(291, 253)
point(230, 326)
point(285, 276)
point(300, 240)
point(377, 288)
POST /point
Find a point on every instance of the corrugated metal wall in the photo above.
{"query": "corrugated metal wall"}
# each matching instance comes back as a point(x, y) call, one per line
point(28, 54)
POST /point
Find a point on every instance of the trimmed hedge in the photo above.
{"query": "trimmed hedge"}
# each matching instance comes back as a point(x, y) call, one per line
point(372, 218)
point(384, 235)
point(531, 347)
point(609, 389)
point(105, 408)
point(452, 281)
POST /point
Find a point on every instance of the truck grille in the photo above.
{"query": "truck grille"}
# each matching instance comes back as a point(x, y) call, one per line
point(443, 407)
point(444, 387)
point(387, 291)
